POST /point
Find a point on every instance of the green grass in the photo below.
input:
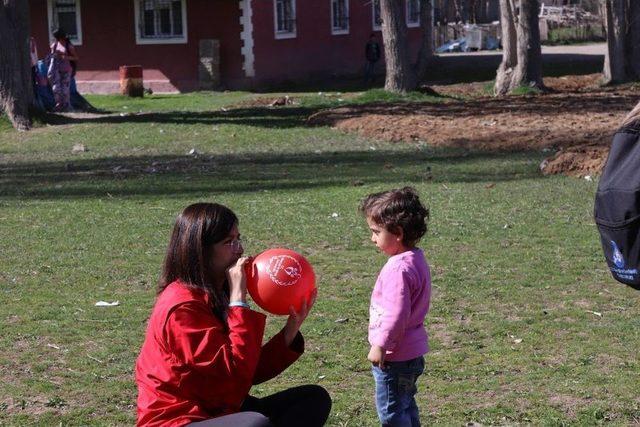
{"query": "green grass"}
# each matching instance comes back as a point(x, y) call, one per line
point(380, 95)
point(515, 256)
point(199, 101)
point(526, 90)
point(5, 124)
point(575, 35)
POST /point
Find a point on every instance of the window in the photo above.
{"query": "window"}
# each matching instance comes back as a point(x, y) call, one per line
point(160, 21)
point(285, 18)
point(413, 13)
point(65, 14)
point(339, 16)
point(376, 16)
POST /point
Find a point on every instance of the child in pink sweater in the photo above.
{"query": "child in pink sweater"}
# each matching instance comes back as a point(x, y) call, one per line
point(399, 303)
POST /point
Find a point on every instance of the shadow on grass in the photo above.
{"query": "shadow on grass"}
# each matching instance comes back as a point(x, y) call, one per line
point(286, 117)
point(291, 117)
point(166, 175)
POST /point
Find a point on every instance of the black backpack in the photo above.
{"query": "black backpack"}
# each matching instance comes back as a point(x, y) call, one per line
point(617, 206)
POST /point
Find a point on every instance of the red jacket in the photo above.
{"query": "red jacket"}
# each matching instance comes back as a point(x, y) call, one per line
point(191, 369)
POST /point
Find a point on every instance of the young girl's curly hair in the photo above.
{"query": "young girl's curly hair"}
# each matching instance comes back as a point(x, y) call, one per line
point(398, 208)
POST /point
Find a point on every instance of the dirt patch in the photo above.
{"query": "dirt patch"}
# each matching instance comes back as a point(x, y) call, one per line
point(574, 122)
point(583, 83)
point(577, 161)
point(439, 332)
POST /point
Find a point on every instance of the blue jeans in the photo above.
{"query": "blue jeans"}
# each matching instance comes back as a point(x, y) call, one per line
point(395, 392)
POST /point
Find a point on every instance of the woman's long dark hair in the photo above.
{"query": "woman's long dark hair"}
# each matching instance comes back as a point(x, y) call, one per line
point(188, 258)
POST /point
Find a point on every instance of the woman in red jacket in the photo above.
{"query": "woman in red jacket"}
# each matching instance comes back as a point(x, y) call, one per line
point(203, 347)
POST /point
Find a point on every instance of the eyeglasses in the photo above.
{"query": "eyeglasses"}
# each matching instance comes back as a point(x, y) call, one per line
point(235, 244)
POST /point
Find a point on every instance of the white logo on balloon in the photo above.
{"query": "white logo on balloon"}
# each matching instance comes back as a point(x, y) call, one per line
point(291, 274)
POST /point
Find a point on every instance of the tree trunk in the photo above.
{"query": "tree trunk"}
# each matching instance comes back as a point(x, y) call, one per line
point(622, 60)
point(401, 76)
point(446, 11)
point(16, 91)
point(460, 16)
point(634, 39)
point(509, 52)
point(473, 11)
point(614, 60)
point(425, 55)
point(528, 71)
point(485, 10)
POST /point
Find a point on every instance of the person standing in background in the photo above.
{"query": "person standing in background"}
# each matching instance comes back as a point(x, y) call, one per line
point(372, 54)
point(61, 69)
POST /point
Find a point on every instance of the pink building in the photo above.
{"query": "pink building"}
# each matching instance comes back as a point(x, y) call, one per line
point(187, 45)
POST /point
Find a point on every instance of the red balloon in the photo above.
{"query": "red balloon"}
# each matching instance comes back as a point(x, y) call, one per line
point(280, 278)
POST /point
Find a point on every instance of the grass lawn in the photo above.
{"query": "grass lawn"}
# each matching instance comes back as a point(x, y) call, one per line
point(526, 325)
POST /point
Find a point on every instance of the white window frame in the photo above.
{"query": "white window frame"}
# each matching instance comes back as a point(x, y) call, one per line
point(76, 41)
point(285, 34)
point(415, 23)
point(337, 30)
point(183, 39)
point(374, 24)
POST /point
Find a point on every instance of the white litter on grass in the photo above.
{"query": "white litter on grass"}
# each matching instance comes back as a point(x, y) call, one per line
point(78, 148)
point(107, 304)
point(596, 313)
point(515, 340)
point(544, 164)
point(588, 178)
point(335, 215)
point(320, 377)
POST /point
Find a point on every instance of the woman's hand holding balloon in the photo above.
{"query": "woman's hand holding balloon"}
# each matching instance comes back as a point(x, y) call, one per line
point(295, 319)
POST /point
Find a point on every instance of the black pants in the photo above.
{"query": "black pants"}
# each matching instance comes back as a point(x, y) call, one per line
point(307, 405)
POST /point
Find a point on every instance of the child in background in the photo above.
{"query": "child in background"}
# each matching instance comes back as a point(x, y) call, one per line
point(399, 303)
